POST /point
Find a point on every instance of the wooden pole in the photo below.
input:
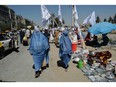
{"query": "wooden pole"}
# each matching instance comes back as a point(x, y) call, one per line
point(76, 24)
point(83, 43)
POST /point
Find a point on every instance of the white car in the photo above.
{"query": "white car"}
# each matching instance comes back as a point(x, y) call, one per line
point(6, 42)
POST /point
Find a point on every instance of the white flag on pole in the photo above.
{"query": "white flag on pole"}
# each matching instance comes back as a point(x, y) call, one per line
point(59, 14)
point(75, 14)
point(77, 25)
point(45, 15)
point(86, 21)
point(90, 19)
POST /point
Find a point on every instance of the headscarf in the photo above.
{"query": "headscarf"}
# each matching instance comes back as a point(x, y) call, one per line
point(65, 44)
point(62, 28)
point(36, 28)
point(38, 42)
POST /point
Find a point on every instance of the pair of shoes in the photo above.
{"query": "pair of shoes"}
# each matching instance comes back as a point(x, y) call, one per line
point(47, 65)
point(37, 74)
point(43, 68)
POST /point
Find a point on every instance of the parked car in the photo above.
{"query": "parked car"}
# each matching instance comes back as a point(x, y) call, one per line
point(6, 44)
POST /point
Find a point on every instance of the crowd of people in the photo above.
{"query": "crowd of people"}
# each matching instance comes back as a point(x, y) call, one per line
point(25, 34)
point(39, 44)
point(93, 41)
point(63, 38)
point(39, 48)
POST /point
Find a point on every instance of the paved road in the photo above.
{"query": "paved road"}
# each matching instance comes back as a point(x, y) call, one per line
point(18, 67)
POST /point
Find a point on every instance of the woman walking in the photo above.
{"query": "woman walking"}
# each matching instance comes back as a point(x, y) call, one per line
point(38, 46)
point(65, 48)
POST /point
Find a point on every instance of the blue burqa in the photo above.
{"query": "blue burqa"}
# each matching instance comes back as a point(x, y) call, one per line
point(38, 46)
point(65, 48)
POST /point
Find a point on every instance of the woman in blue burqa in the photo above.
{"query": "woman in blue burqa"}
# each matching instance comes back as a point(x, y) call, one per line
point(38, 46)
point(65, 48)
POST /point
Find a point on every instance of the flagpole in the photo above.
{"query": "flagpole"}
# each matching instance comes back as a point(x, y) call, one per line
point(83, 43)
point(60, 16)
point(45, 16)
point(77, 25)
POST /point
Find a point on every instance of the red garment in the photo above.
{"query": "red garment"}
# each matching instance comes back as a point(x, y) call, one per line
point(88, 37)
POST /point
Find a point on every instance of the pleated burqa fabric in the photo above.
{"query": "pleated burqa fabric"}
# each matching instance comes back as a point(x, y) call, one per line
point(38, 46)
point(65, 48)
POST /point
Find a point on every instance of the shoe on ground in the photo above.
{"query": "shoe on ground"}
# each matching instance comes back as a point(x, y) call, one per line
point(66, 68)
point(47, 65)
point(37, 74)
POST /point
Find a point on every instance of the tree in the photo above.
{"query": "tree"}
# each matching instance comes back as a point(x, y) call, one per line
point(110, 19)
point(55, 21)
point(105, 20)
point(52, 15)
point(52, 18)
point(115, 18)
point(58, 23)
point(98, 19)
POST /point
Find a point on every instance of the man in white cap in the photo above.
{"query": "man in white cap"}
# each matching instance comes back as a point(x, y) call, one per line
point(28, 33)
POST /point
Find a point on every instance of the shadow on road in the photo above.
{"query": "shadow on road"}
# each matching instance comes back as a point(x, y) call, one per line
point(16, 50)
point(60, 64)
point(6, 81)
point(6, 53)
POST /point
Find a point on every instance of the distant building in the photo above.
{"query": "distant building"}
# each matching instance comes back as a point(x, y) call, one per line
point(20, 23)
point(28, 22)
point(23, 22)
point(4, 17)
point(9, 20)
point(12, 18)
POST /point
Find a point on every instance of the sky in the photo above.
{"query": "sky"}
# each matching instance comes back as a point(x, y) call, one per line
point(33, 12)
